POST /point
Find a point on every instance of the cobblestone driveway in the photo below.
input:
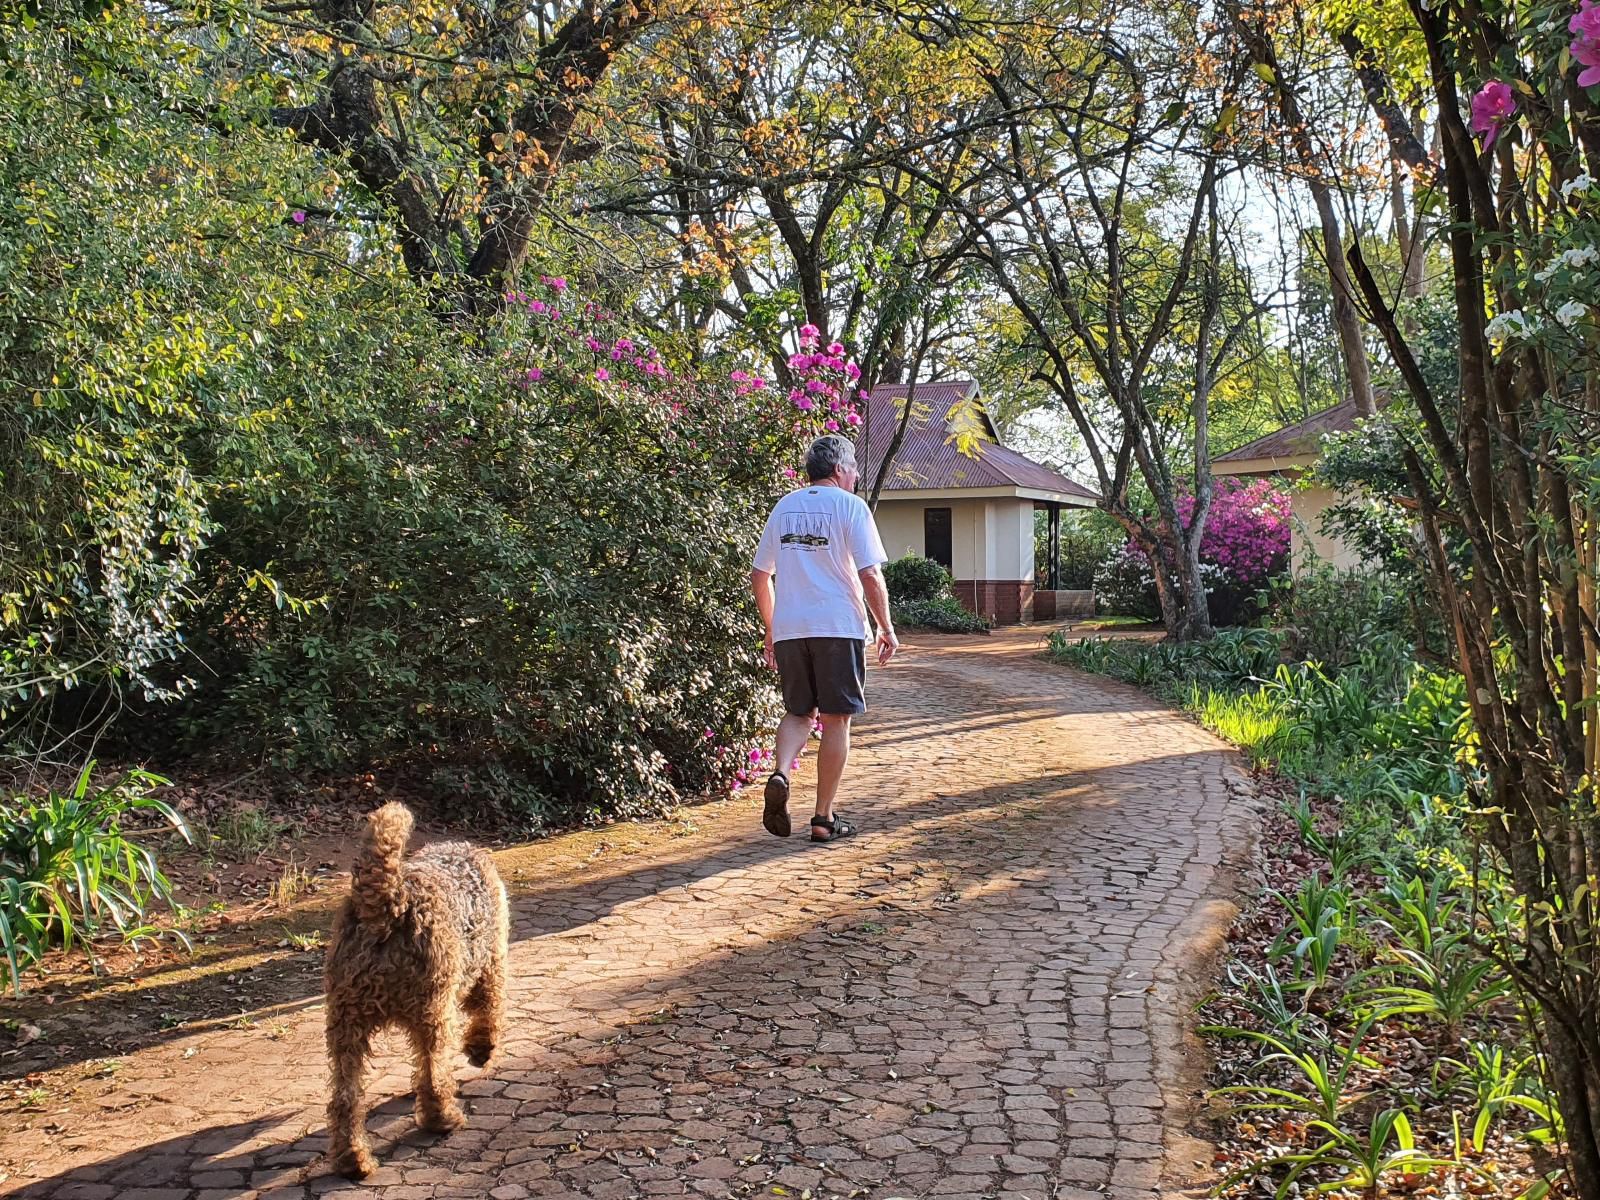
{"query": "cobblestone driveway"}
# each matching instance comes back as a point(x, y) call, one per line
point(981, 995)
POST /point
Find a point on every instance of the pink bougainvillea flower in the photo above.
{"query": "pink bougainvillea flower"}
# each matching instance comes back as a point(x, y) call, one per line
point(805, 403)
point(852, 418)
point(790, 473)
point(1586, 21)
point(1492, 110)
point(831, 425)
point(554, 282)
point(298, 217)
point(1587, 52)
point(602, 374)
point(836, 348)
point(535, 374)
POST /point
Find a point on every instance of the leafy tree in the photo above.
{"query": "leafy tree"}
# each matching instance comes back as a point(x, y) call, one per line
point(1509, 461)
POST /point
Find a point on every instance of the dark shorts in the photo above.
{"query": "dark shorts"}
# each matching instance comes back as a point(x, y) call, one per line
point(826, 675)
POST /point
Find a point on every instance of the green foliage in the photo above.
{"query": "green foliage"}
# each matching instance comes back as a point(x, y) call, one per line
point(1229, 661)
point(1326, 1080)
point(914, 577)
point(69, 871)
point(1335, 617)
point(1493, 1078)
point(1125, 587)
point(1087, 539)
point(258, 493)
point(1358, 1160)
point(944, 615)
point(1316, 930)
point(921, 597)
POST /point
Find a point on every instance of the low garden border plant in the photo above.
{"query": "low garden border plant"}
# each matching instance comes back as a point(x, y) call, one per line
point(72, 867)
point(1368, 1035)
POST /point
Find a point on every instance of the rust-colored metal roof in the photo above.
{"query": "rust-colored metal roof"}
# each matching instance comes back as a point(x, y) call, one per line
point(928, 457)
point(1303, 437)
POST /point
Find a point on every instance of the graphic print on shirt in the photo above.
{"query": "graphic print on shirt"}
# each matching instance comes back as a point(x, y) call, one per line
point(805, 530)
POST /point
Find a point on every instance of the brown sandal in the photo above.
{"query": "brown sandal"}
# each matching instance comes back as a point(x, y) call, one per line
point(775, 817)
point(837, 828)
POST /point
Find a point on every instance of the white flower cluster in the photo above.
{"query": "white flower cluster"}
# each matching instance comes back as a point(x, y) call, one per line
point(1513, 324)
point(1575, 259)
point(1570, 313)
point(1578, 183)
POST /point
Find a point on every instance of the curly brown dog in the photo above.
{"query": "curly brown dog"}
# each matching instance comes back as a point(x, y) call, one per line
point(419, 943)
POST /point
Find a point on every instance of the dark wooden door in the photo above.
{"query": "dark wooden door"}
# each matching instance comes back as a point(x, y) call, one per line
point(936, 535)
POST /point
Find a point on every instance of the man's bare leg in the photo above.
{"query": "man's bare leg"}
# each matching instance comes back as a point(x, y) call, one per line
point(831, 759)
point(793, 734)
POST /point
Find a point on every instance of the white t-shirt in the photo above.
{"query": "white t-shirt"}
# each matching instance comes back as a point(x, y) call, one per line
point(815, 542)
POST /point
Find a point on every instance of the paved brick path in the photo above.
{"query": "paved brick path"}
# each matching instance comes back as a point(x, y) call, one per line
point(981, 995)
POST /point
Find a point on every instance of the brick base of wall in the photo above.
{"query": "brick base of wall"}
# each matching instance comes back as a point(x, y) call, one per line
point(1003, 601)
point(1062, 605)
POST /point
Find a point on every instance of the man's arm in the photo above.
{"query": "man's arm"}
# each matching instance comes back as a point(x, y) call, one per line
point(761, 587)
point(877, 597)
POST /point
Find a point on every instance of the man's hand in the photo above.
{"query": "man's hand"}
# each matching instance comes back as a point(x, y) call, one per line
point(887, 645)
point(769, 654)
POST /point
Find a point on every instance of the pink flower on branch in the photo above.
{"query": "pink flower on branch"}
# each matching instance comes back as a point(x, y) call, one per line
point(1586, 21)
point(1492, 110)
point(1585, 47)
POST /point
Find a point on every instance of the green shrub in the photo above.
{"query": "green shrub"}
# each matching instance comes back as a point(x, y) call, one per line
point(915, 578)
point(533, 591)
point(944, 615)
point(257, 494)
point(68, 869)
point(1233, 659)
point(1333, 617)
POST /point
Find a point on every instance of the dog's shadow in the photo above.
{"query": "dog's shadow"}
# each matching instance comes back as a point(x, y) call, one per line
point(257, 1155)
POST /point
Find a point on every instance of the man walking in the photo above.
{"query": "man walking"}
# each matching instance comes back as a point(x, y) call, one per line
point(823, 547)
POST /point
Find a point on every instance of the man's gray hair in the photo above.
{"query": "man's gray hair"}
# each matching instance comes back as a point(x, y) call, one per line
point(827, 454)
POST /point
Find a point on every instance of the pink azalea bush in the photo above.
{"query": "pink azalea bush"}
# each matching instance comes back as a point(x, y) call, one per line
point(1247, 530)
point(1245, 543)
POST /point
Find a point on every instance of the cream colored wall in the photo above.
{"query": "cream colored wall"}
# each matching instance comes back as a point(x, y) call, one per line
point(900, 527)
point(989, 539)
point(1308, 544)
point(1008, 541)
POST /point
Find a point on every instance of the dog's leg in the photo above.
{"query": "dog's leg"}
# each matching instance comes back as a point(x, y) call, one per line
point(348, 1043)
point(437, 1110)
point(487, 1001)
point(485, 1006)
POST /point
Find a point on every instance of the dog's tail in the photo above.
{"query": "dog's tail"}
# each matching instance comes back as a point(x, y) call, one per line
point(376, 883)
